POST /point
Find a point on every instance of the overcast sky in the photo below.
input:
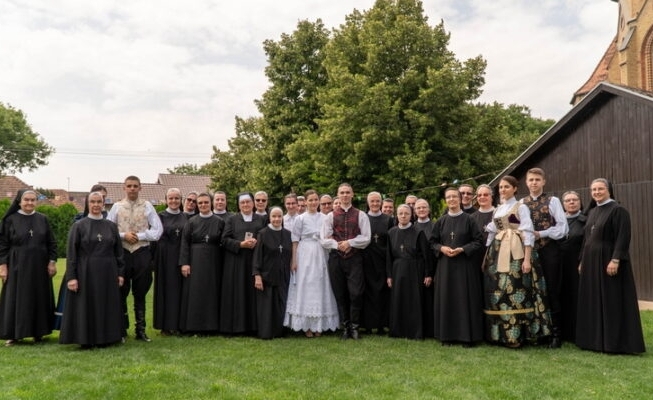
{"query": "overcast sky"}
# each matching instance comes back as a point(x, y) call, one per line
point(122, 88)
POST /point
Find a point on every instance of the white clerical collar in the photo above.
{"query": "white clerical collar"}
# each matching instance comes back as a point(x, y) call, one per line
point(262, 213)
point(604, 202)
point(24, 213)
point(535, 197)
point(247, 217)
point(274, 228)
point(408, 225)
point(455, 214)
point(220, 212)
point(577, 213)
point(423, 220)
point(171, 211)
point(489, 210)
point(374, 214)
point(209, 215)
point(91, 216)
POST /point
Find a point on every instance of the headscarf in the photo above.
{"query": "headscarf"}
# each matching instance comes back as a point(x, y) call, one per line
point(610, 193)
point(242, 195)
point(14, 207)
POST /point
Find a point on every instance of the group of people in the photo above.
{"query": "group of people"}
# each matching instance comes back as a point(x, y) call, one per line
point(535, 270)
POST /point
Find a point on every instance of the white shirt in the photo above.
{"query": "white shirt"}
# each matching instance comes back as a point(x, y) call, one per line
point(360, 242)
point(525, 224)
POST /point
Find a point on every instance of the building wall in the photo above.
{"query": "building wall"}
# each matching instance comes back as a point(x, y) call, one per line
point(613, 141)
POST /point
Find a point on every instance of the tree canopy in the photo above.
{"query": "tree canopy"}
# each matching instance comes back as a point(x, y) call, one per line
point(20, 147)
point(379, 102)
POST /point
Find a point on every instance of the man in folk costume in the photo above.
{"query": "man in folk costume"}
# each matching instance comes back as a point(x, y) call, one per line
point(550, 225)
point(138, 225)
point(346, 231)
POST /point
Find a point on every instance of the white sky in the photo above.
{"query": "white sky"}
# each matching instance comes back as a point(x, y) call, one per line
point(122, 88)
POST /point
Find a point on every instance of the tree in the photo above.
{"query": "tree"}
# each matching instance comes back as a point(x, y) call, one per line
point(20, 147)
point(380, 102)
point(188, 169)
point(396, 107)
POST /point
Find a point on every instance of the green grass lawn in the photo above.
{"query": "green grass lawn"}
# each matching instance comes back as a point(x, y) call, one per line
point(320, 368)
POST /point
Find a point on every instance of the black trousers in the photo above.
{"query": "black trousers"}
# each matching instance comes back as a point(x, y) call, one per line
point(348, 284)
point(138, 280)
point(549, 256)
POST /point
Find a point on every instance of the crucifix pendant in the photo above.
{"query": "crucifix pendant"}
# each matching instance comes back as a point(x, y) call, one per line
point(402, 248)
point(99, 237)
point(280, 249)
point(376, 238)
point(177, 232)
point(206, 238)
point(31, 233)
point(453, 236)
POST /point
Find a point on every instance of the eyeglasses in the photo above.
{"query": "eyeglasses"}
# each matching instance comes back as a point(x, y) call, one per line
point(192, 200)
point(483, 195)
point(326, 203)
point(466, 193)
point(570, 200)
point(261, 200)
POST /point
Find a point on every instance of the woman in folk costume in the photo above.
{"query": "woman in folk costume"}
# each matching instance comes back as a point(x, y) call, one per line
point(515, 293)
point(311, 304)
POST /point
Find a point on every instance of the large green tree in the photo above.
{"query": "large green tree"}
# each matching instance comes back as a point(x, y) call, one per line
point(20, 147)
point(380, 102)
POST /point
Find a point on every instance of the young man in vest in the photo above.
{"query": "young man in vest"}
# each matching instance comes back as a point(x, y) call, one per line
point(550, 225)
point(138, 225)
point(345, 232)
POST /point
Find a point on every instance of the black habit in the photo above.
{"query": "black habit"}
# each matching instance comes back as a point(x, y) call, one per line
point(608, 317)
point(408, 262)
point(272, 256)
point(427, 306)
point(458, 289)
point(200, 293)
point(238, 301)
point(570, 248)
point(27, 245)
point(92, 315)
point(167, 276)
point(376, 297)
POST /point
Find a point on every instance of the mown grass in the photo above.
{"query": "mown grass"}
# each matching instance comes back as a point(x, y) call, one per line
point(322, 368)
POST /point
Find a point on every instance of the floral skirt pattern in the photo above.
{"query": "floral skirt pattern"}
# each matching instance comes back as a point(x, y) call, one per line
point(516, 304)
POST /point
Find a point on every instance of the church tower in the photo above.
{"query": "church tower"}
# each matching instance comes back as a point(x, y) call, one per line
point(628, 61)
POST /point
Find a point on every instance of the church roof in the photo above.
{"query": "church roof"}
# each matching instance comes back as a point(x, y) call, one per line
point(600, 73)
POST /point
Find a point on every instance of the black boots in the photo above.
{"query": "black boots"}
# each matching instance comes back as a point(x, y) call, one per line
point(140, 326)
point(353, 331)
point(345, 331)
point(349, 331)
point(556, 339)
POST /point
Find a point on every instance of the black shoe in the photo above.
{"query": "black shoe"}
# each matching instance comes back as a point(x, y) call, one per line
point(354, 334)
point(556, 343)
point(123, 339)
point(142, 336)
point(345, 334)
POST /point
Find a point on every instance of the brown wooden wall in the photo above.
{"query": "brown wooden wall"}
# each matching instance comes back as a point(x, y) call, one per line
point(613, 140)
